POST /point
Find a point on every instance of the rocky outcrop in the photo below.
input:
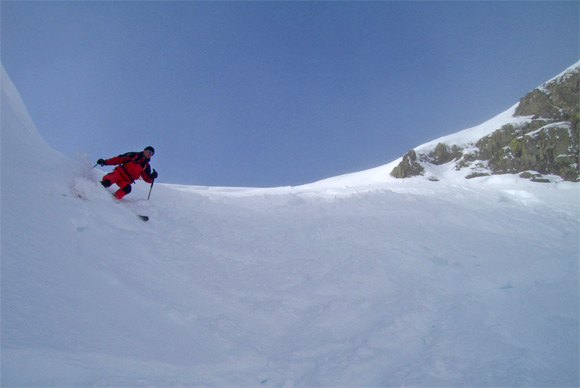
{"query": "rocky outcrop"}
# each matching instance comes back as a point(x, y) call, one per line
point(444, 154)
point(550, 150)
point(408, 167)
point(545, 145)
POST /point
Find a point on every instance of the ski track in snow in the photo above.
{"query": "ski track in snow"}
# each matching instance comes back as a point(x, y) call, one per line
point(359, 280)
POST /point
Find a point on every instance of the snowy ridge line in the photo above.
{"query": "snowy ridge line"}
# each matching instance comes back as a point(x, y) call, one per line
point(572, 69)
point(470, 136)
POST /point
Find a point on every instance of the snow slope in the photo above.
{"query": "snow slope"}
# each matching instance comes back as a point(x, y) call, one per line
point(359, 280)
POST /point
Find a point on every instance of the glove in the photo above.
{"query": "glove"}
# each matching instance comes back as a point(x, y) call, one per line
point(154, 174)
point(101, 162)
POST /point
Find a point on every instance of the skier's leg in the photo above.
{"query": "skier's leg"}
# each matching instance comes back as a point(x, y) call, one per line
point(110, 178)
point(125, 188)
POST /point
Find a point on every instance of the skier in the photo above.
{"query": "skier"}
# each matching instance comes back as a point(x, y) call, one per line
point(132, 165)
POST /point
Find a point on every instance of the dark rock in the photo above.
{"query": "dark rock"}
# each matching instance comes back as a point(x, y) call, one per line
point(408, 167)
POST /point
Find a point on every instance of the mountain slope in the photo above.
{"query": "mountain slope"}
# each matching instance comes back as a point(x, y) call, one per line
point(359, 280)
point(537, 138)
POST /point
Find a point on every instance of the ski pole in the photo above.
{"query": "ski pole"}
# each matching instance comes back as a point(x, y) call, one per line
point(151, 188)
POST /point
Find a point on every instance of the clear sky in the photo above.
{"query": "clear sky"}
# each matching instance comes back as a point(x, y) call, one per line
point(268, 93)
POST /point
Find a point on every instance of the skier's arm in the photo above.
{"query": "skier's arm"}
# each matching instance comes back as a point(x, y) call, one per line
point(117, 160)
point(147, 175)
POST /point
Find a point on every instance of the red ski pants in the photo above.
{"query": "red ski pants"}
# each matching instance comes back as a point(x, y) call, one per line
point(118, 177)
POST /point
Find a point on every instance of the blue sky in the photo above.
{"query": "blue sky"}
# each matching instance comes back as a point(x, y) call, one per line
point(275, 93)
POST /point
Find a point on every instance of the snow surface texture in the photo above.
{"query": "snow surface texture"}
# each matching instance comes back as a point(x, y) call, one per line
point(359, 280)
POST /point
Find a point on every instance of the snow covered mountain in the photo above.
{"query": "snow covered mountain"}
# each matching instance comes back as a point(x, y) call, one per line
point(536, 138)
point(357, 280)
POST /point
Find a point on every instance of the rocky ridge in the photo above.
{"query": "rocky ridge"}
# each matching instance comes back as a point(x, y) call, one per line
point(542, 142)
